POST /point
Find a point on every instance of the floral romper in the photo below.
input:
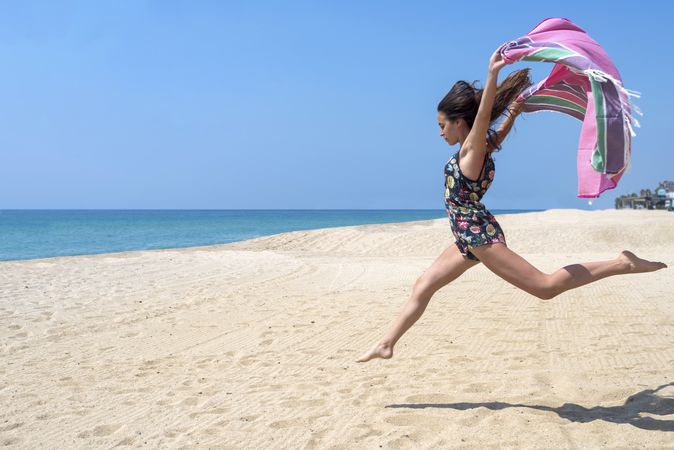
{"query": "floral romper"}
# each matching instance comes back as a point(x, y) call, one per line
point(472, 224)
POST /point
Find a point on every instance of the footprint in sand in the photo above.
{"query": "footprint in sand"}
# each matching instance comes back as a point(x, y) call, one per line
point(11, 426)
point(100, 430)
point(212, 411)
point(190, 401)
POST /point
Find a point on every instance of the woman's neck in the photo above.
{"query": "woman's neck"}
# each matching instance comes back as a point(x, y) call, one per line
point(463, 134)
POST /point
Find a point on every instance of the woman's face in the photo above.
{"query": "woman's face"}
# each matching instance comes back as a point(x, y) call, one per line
point(449, 129)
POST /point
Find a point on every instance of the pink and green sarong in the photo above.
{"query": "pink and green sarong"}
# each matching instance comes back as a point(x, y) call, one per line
point(586, 85)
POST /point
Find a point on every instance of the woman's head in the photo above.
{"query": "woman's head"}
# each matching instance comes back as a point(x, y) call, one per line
point(457, 110)
point(452, 128)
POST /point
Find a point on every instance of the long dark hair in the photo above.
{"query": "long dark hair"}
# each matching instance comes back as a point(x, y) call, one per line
point(463, 100)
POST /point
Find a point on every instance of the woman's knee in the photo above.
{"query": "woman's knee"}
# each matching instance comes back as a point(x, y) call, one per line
point(425, 284)
point(545, 288)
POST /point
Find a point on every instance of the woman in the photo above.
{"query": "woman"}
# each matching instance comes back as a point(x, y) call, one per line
point(465, 116)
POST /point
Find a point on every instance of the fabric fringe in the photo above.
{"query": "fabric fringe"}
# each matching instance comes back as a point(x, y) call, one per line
point(628, 118)
point(601, 76)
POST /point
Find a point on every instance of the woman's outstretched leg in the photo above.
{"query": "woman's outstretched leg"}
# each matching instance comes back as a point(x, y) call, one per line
point(516, 270)
point(446, 268)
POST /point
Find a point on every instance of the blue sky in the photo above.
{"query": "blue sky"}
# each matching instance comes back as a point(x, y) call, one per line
point(261, 105)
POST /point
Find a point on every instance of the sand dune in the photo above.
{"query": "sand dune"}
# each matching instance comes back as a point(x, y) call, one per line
point(252, 344)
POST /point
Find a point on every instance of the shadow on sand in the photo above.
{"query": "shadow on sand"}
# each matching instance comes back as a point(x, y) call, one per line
point(646, 401)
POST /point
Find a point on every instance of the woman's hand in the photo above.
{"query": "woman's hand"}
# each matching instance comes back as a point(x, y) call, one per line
point(516, 107)
point(496, 62)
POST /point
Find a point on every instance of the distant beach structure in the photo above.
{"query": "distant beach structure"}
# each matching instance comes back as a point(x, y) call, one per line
point(662, 198)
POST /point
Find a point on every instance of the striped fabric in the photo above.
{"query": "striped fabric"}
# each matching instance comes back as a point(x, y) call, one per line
point(584, 84)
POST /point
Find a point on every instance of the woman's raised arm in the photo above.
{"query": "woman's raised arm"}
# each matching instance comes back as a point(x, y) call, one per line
point(477, 138)
point(475, 144)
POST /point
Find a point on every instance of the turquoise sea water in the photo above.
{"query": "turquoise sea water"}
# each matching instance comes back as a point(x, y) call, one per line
point(28, 234)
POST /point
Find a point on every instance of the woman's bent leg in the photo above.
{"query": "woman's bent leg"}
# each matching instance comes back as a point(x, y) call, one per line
point(446, 268)
point(516, 270)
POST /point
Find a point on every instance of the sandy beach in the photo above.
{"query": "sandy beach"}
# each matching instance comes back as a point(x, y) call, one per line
point(252, 345)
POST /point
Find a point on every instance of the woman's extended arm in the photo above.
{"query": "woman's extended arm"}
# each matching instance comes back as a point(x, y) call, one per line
point(477, 138)
point(514, 109)
point(475, 144)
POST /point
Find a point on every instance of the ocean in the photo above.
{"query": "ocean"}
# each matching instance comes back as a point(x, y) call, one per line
point(30, 234)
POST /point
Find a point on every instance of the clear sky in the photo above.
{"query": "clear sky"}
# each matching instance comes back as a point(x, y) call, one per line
point(294, 104)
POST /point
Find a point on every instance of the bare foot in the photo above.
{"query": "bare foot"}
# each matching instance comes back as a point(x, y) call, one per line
point(380, 350)
point(635, 264)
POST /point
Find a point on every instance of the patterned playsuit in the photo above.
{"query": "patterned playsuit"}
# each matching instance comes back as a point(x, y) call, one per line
point(472, 224)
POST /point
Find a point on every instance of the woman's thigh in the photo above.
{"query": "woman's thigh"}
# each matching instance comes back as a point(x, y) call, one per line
point(445, 269)
point(513, 268)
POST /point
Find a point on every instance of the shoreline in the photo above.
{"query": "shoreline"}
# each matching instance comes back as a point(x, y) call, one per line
point(211, 247)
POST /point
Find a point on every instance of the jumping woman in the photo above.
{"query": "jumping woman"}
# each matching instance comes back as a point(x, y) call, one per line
point(465, 116)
